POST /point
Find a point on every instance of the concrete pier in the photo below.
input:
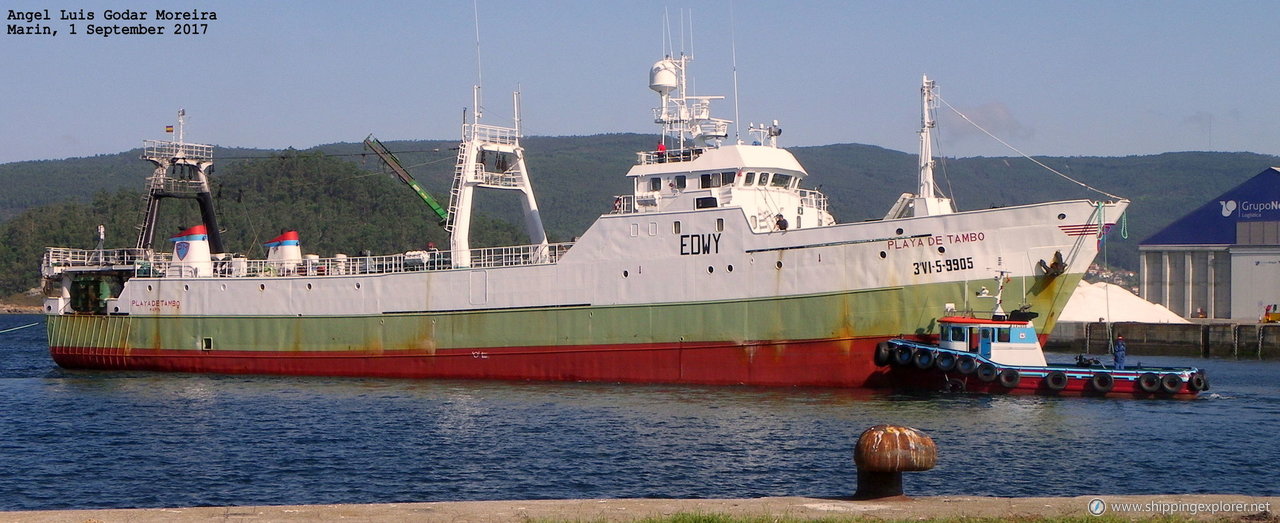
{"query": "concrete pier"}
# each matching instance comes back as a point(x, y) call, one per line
point(1205, 339)
point(1193, 507)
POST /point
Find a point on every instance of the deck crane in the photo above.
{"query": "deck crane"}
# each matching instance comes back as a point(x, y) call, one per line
point(394, 163)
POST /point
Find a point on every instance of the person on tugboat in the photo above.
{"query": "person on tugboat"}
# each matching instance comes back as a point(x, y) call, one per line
point(1118, 352)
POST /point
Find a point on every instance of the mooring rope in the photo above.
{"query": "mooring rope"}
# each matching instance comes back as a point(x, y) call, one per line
point(1024, 155)
point(22, 327)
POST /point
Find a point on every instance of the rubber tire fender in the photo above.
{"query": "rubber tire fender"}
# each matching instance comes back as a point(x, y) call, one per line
point(902, 355)
point(1170, 383)
point(1009, 378)
point(1102, 382)
point(1197, 382)
point(945, 361)
point(966, 365)
point(1149, 382)
point(953, 386)
point(923, 358)
point(1056, 380)
point(988, 372)
point(884, 354)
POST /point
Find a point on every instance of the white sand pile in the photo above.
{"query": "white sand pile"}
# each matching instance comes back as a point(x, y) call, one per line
point(1096, 300)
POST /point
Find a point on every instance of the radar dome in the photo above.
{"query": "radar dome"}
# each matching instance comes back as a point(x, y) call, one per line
point(662, 78)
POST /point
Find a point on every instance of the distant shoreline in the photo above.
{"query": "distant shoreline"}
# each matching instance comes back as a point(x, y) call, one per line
point(8, 308)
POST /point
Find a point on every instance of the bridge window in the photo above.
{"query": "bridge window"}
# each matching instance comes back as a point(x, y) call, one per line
point(764, 179)
point(706, 182)
point(957, 333)
point(655, 184)
point(1002, 335)
point(781, 180)
point(727, 178)
point(681, 182)
point(750, 179)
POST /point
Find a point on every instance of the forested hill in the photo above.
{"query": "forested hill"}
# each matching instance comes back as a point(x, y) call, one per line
point(337, 196)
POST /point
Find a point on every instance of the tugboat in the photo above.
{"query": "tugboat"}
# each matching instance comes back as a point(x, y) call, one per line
point(1002, 354)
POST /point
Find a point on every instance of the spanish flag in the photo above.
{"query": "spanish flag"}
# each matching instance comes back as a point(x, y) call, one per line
point(168, 128)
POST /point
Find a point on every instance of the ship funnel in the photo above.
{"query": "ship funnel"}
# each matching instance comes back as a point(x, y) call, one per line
point(663, 78)
point(284, 253)
point(191, 256)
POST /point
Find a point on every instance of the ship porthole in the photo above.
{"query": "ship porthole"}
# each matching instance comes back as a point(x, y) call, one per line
point(357, 285)
point(625, 274)
point(710, 269)
point(115, 309)
point(942, 250)
point(1062, 216)
point(730, 268)
point(899, 231)
point(224, 286)
point(148, 288)
point(778, 265)
point(186, 287)
point(884, 254)
point(308, 286)
point(262, 286)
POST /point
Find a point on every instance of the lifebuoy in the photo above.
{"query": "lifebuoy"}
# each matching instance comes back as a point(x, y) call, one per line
point(1149, 382)
point(1102, 382)
point(1197, 382)
point(1009, 378)
point(902, 355)
point(945, 361)
point(966, 364)
point(884, 354)
point(987, 372)
point(1171, 383)
point(923, 359)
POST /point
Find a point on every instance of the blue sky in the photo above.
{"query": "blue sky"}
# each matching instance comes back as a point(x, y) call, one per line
point(1109, 78)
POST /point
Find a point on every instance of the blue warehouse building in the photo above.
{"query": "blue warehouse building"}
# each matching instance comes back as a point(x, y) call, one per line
point(1222, 260)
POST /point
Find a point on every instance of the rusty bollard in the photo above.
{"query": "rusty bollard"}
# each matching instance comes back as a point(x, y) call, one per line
point(883, 453)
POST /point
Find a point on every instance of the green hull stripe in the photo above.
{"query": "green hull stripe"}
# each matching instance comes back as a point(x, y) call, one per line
point(860, 314)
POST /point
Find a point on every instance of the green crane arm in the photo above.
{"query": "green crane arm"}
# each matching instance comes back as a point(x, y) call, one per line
point(394, 164)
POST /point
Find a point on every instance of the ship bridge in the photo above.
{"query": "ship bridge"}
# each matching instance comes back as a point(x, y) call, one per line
point(762, 180)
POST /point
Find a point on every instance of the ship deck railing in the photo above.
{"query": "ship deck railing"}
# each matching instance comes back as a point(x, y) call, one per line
point(813, 199)
point(624, 204)
point(149, 264)
point(169, 150)
point(668, 156)
point(491, 134)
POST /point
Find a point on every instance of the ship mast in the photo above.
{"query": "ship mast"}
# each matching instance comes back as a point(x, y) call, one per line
point(182, 171)
point(926, 201)
point(490, 157)
point(685, 120)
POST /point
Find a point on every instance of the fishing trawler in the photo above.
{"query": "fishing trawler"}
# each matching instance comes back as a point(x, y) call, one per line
point(718, 268)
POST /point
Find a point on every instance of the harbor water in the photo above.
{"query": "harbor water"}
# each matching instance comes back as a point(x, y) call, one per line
point(93, 439)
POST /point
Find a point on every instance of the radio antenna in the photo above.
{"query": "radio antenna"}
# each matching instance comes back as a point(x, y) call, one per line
point(476, 98)
point(733, 44)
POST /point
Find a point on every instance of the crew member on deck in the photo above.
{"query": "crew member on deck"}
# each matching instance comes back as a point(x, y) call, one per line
point(1118, 352)
point(780, 222)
